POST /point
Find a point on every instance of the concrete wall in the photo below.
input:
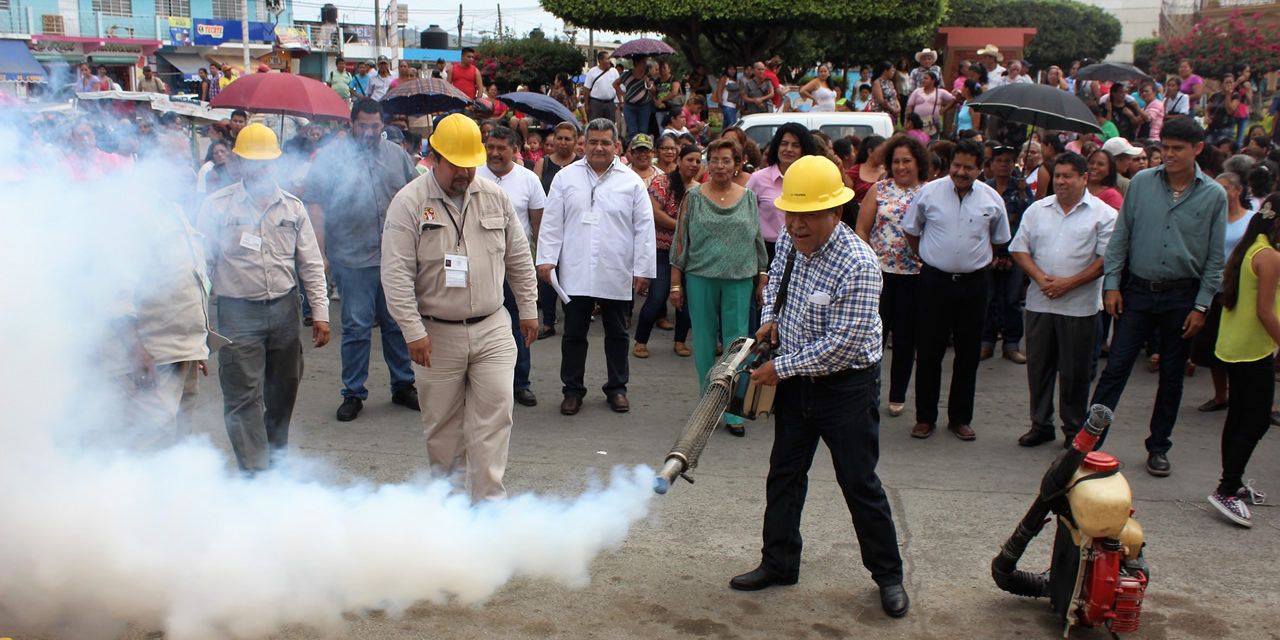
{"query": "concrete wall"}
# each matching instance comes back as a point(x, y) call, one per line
point(1138, 19)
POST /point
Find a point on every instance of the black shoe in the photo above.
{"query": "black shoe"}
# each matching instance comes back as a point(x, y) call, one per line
point(1035, 438)
point(761, 578)
point(546, 331)
point(570, 405)
point(1158, 465)
point(894, 600)
point(350, 408)
point(526, 398)
point(406, 397)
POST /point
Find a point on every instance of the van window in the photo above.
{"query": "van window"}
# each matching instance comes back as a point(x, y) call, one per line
point(762, 134)
point(837, 131)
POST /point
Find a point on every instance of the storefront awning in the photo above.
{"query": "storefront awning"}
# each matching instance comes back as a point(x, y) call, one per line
point(113, 58)
point(17, 64)
point(188, 64)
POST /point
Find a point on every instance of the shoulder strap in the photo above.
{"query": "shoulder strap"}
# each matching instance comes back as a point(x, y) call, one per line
point(786, 280)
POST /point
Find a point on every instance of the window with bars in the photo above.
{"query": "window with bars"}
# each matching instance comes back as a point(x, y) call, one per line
point(114, 7)
point(227, 9)
point(176, 8)
point(4, 5)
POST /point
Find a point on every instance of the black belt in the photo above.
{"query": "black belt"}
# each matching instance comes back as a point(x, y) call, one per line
point(1164, 285)
point(954, 277)
point(838, 376)
point(601, 99)
point(464, 321)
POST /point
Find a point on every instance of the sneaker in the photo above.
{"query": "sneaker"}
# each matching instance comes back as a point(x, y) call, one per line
point(350, 408)
point(1231, 507)
point(1248, 494)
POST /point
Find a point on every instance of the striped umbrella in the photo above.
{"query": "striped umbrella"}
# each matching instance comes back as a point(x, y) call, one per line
point(422, 96)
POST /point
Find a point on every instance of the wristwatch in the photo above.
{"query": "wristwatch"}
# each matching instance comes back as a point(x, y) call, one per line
point(1201, 308)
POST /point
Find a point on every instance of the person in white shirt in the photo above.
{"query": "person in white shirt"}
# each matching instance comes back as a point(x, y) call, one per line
point(1017, 74)
point(380, 83)
point(525, 191)
point(1060, 246)
point(991, 57)
point(599, 84)
point(597, 233)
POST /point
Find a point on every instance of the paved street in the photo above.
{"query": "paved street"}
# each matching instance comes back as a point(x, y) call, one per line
point(954, 503)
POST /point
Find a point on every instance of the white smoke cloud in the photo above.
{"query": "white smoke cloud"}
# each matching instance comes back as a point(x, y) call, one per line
point(95, 536)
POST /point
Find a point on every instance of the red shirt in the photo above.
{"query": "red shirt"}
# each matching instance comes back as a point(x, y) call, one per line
point(464, 78)
point(777, 86)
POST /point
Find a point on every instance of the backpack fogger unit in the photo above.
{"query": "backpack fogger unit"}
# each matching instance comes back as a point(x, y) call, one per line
point(729, 389)
point(1098, 575)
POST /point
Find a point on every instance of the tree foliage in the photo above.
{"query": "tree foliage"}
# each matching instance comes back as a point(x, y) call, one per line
point(1066, 30)
point(532, 61)
point(743, 30)
point(1214, 47)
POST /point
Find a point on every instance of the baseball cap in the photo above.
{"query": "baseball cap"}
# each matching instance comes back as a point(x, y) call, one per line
point(1120, 147)
point(393, 134)
point(382, 59)
point(642, 141)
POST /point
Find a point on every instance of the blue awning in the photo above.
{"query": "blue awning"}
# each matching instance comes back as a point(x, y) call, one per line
point(431, 55)
point(17, 64)
point(188, 64)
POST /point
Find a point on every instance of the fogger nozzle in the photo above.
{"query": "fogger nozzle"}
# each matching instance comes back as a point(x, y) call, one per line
point(1099, 419)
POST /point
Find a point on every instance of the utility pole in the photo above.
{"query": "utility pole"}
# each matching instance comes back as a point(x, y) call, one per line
point(377, 28)
point(459, 25)
point(244, 31)
point(500, 22)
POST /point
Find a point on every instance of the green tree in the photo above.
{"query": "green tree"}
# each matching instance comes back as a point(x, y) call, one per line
point(532, 61)
point(1066, 30)
point(743, 30)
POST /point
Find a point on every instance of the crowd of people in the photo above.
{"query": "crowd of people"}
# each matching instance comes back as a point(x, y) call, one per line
point(957, 232)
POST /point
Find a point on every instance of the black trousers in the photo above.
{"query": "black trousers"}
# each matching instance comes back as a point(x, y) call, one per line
point(956, 309)
point(1253, 389)
point(1059, 349)
point(898, 314)
point(573, 346)
point(844, 413)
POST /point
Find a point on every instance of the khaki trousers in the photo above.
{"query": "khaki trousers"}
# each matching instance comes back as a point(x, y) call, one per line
point(466, 401)
point(158, 414)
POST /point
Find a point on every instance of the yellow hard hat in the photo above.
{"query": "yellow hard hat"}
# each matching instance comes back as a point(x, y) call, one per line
point(812, 183)
point(457, 139)
point(257, 142)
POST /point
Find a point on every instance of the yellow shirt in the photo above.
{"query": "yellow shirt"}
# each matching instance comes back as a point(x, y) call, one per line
point(1241, 337)
point(224, 81)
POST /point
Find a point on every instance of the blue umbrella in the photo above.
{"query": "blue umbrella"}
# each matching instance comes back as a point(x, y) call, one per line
point(544, 108)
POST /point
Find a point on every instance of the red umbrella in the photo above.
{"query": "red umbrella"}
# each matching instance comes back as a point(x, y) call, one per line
point(283, 93)
point(643, 47)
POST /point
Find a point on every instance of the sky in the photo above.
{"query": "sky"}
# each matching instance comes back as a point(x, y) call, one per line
point(479, 17)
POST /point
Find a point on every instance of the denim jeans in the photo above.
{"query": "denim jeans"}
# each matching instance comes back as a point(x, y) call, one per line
point(1144, 311)
point(636, 118)
point(1242, 128)
point(1004, 313)
point(655, 305)
point(362, 300)
point(522, 350)
point(730, 116)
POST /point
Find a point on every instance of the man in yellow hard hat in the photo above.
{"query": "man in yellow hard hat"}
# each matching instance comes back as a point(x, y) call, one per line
point(259, 243)
point(821, 312)
point(450, 240)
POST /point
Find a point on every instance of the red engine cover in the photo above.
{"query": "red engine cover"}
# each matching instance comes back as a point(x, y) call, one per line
point(1111, 596)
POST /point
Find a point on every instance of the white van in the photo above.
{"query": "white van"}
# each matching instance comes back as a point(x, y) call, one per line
point(760, 127)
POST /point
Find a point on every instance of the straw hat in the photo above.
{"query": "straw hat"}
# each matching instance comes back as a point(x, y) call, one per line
point(991, 50)
point(926, 52)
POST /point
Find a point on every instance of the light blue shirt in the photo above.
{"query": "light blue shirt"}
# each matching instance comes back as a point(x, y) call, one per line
point(956, 234)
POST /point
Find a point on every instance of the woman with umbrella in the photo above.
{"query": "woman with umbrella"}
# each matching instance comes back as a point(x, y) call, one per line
point(636, 91)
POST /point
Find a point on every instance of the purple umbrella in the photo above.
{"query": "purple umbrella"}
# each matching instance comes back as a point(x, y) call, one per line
point(643, 47)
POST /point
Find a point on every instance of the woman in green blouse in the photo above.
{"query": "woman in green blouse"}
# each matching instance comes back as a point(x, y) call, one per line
point(720, 253)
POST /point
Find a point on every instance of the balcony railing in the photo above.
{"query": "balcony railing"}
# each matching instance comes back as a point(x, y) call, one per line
point(86, 24)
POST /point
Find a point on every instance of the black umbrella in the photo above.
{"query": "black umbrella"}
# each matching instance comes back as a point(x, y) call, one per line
point(545, 108)
point(1038, 105)
point(1111, 72)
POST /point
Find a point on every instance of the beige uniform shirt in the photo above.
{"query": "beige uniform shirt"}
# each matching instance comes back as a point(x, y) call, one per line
point(259, 254)
point(424, 226)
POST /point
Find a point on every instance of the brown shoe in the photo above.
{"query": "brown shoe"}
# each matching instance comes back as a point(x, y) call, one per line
point(1015, 356)
point(618, 402)
point(962, 431)
point(682, 350)
point(664, 324)
point(570, 405)
point(923, 429)
point(641, 350)
point(986, 353)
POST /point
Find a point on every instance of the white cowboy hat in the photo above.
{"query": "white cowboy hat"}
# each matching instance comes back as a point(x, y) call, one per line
point(926, 52)
point(991, 50)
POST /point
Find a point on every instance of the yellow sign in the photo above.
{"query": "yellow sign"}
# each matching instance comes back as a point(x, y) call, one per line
point(181, 23)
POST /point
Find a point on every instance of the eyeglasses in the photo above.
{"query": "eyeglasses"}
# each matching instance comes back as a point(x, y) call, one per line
point(721, 161)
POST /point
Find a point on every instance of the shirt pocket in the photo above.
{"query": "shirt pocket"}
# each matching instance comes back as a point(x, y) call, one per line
point(979, 223)
point(231, 239)
point(494, 231)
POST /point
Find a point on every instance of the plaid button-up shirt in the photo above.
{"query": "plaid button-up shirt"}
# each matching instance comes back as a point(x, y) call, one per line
point(830, 320)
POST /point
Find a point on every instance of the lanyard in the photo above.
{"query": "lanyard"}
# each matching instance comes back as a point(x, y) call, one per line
point(599, 180)
point(462, 212)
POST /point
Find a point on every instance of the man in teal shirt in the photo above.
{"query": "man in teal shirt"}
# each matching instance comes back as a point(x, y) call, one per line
point(1162, 267)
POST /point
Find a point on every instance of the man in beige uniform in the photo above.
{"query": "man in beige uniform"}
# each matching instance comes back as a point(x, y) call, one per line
point(450, 240)
point(259, 241)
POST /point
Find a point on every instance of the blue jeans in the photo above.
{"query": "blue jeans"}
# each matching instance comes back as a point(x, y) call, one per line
point(730, 116)
point(522, 350)
point(1004, 312)
point(362, 301)
point(1144, 311)
point(655, 306)
point(636, 118)
point(1242, 128)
